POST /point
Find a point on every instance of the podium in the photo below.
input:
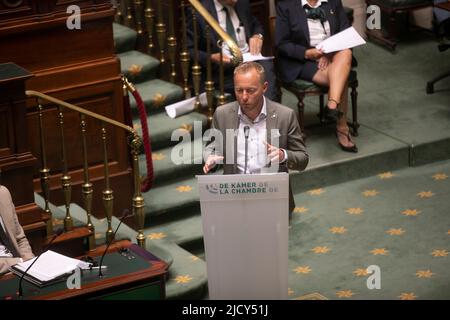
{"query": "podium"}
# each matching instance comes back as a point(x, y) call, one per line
point(245, 230)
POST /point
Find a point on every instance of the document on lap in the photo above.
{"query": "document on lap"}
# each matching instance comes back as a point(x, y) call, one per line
point(346, 39)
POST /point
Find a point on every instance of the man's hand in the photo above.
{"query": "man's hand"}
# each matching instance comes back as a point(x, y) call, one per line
point(313, 54)
point(211, 163)
point(255, 45)
point(274, 154)
point(215, 57)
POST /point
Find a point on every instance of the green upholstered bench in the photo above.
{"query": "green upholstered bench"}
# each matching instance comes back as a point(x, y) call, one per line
point(391, 10)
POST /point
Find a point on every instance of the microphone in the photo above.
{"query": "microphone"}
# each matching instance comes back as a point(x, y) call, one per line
point(246, 132)
point(57, 234)
point(126, 213)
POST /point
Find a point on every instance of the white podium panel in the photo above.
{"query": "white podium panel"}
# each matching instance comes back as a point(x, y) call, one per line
point(245, 230)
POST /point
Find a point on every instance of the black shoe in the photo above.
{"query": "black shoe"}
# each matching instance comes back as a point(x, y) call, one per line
point(353, 148)
point(335, 113)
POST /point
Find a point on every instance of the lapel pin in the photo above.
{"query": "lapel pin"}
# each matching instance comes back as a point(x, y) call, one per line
point(331, 11)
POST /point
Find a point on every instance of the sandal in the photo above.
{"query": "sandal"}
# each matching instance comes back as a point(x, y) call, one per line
point(337, 104)
point(353, 148)
point(335, 113)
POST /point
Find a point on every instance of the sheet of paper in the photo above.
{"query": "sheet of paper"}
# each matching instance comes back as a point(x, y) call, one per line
point(250, 57)
point(184, 106)
point(346, 39)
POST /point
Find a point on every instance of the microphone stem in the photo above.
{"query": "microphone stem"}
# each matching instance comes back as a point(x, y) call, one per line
point(20, 291)
point(246, 153)
point(100, 273)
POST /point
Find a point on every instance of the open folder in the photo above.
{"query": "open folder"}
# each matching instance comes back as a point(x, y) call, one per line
point(49, 268)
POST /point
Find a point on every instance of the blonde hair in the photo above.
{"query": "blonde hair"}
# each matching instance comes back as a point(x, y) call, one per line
point(247, 66)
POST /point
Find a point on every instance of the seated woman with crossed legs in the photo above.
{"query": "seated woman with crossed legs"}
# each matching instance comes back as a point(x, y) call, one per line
point(300, 26)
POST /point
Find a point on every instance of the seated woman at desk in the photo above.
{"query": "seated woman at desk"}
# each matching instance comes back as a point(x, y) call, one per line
point(14, 246)
point(300, 26)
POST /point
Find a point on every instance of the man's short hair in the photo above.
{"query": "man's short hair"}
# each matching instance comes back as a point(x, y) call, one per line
point(247, 66)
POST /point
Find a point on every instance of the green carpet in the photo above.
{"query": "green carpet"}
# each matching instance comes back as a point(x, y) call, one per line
point(396, 220)
point(401, 126)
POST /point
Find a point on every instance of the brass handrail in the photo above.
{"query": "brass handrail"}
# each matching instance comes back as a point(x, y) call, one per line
point(234, 49)
point(36, 94)
point(135, 144)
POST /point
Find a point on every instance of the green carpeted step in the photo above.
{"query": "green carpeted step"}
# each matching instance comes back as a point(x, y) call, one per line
point(137, 66)
point(184, 232)
point(171, 200)
point(124, 38)
point(156, 94)
point(59, 213)
point(187, 275)
point(161, 127)
point(329, 165)
point(168, 166)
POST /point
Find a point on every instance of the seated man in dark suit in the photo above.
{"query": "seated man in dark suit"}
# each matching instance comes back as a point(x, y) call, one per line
point(235, 18)
point(300, 26)
point(14, 246)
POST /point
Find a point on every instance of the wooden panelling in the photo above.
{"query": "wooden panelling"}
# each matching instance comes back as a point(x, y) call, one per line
point(80, 67)
point(6, 132)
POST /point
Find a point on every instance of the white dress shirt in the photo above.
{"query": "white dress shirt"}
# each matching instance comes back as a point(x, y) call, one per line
point(317, 33)
point(257, 150)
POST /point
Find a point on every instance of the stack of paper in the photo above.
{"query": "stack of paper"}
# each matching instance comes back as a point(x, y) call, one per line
point(49, 266)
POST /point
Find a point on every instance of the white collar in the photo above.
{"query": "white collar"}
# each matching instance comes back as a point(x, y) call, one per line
point(262, 113)
point(304, 2)
point(219, 6)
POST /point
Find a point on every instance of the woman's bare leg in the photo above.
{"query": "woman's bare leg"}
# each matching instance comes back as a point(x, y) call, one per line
point(338, 72)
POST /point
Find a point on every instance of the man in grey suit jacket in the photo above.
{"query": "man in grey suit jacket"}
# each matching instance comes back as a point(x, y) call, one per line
point(14, 246)
point(274, 139)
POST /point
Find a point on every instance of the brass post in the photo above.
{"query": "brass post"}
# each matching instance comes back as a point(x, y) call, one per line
point(86, 188)
point(161, 33)
point(184, 54)
point(138, 199)
point(65, 178)
point(45, 171)
point(108, 194)
point(172, 43)
point(149, 24)
point(118, 17)
point(129, 17)
point(196, 68)
point(138, 13)
point(221, 99)
point(209, 84)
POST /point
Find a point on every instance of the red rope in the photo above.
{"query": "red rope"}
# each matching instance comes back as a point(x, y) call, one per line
point(147, 182)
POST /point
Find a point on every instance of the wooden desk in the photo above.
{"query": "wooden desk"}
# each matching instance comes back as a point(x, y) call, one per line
point(142, 278)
